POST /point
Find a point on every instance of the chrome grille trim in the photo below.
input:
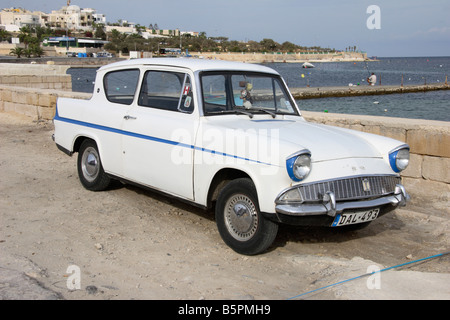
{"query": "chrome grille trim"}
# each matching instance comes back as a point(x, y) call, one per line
point(351, 188)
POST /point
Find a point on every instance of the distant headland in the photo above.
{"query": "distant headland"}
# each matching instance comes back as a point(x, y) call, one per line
point(273, 57)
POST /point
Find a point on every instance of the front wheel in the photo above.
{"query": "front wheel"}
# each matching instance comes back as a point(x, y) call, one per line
point(239, 221)
point(90, 169)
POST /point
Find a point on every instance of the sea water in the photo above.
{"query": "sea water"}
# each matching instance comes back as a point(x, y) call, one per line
point(430, 105)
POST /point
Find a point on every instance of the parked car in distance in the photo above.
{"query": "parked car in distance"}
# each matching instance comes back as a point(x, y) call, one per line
point(104, 55)
point(230, 137)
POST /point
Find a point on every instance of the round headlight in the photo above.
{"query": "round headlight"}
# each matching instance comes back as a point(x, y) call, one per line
point(299, 166)
point(399, 159)
point(302, 166)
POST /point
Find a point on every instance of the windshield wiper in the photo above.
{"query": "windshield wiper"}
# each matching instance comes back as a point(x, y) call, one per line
point(244, 112)
point(235, 111)
point(266, 111)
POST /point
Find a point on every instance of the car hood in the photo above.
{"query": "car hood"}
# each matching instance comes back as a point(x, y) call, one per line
point(294, 134)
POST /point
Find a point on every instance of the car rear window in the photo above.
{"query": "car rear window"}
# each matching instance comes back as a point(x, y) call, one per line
point(120, 86)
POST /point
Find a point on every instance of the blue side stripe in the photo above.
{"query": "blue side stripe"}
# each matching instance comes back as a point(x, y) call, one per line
point(155, 139)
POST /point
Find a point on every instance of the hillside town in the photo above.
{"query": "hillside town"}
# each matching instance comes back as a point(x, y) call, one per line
point(86, 32)
point(70, 27)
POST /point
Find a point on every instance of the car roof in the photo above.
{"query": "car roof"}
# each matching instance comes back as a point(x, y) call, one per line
point(192, 64)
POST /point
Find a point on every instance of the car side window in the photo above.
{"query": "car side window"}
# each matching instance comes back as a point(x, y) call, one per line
point(120, 86)
point(165, 90)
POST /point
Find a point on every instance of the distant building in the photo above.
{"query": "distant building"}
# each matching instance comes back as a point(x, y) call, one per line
point(68, 17)
point(126, 30)
point(191, 33)
point(72, 42)
point(15, 18)
point(74, 18)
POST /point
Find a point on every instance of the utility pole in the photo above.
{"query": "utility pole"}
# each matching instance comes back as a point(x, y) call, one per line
point(67, 30)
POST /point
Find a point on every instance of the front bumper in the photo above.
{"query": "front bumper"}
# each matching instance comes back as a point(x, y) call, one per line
point(324, 211)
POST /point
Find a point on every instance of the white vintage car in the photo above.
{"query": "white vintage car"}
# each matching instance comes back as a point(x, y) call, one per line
point(228, 136)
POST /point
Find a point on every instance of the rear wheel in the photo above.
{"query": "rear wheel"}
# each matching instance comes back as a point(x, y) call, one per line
point(239, 221)
point(90, 169)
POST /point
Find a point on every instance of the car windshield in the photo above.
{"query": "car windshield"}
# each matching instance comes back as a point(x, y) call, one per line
point(245, 93)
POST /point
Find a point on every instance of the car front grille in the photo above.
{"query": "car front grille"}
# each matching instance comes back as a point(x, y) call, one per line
point(354, 188)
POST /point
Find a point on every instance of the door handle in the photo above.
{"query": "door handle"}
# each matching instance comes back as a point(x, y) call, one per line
point(127, 117)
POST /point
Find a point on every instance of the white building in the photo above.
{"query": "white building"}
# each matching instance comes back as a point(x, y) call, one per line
point(15, 18)
point(68, 17)
point(75, 18)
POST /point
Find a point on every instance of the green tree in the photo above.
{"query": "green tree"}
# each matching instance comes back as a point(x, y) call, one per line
point(41, 33)
point(17, 52)
point(100, 32)
point(269, 45)
point(25, 35)
point(28, 52)
point(289, 47)
point(4, 35)
point(36, 50)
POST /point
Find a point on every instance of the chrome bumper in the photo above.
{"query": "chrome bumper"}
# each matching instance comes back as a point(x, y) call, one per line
point(329, 206)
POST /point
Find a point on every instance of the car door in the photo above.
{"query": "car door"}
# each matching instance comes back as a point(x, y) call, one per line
point(120, 87)
point(158, 151)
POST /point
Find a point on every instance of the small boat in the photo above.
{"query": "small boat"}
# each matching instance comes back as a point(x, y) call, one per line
point(307, 65)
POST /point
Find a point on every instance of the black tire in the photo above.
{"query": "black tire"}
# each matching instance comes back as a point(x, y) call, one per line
point(90, 169)
point(240, 223)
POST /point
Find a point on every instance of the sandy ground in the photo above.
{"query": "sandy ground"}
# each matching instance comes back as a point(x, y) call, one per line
point(128, 243)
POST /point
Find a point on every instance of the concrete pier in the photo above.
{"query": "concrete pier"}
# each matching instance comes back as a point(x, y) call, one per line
point(350, 91)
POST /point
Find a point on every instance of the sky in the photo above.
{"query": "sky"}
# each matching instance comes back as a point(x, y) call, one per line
point(397, 28)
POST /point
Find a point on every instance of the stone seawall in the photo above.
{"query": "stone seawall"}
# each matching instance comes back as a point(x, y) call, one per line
point(35, 76)
point(39, 104)
point(427, 177)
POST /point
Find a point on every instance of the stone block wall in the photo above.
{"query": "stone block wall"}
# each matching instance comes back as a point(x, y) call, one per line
point(38, 104)
point(35, 76)
point(428, 175)
point(57, 82)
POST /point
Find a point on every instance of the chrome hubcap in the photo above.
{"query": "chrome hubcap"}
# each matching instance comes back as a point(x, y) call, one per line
point(90, 164)
point(241, 217)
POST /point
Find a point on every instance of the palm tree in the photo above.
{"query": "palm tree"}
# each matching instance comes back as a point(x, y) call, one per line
point(36, 50)
point(17, 52)
point(28, 52)
point(4, 35)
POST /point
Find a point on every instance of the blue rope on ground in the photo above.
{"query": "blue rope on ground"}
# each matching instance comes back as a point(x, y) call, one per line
point(369, 274)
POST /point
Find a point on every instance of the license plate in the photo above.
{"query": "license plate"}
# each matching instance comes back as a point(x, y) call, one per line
point(347, 218)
